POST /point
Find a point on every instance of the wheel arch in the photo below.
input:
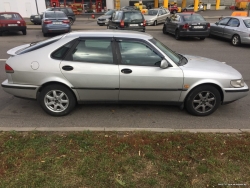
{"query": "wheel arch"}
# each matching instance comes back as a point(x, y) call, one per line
point(58, 83)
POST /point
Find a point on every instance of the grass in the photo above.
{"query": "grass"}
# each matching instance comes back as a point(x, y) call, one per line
point(123, 159)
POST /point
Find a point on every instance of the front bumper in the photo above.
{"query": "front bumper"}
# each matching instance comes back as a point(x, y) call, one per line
point(99, 22)
point(24, 91)
point(233, 94)
point(149, 22)
point(188, 33)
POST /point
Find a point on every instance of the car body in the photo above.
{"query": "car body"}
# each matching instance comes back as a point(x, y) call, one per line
point(104, 19)
point(12, 21)
point(234, 28)
point(118, 67)
point(127, 20)
point(173, 8)
point(190, 8)
point(187, 25)
point(55, 22)
point(129, 8)
point(37, 19)
point(156, 16)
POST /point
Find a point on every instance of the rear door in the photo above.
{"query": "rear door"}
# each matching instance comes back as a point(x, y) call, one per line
point(173, 23)
point(91, 67)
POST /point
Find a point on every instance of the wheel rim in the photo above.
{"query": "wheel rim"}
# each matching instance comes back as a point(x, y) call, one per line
point(204, 102)
point(70, 21)
point(235, 40)
point(177, 35)
point(56, 101)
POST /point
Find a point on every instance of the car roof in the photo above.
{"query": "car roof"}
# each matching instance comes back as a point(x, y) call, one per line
point(187, 13)
point(109, 33)
point(239, 17)
point(9, 13)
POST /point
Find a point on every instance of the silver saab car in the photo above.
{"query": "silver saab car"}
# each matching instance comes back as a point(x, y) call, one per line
point(236, 29)
point(118, 66)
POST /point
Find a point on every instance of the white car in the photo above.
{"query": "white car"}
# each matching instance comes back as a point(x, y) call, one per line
point(156, 16)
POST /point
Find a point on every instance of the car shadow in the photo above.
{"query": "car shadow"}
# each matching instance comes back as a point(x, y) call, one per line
point(227, 41)
point(12, 33)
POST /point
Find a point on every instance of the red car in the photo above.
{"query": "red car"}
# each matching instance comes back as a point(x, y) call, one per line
point(173, 8)
point(12, 21)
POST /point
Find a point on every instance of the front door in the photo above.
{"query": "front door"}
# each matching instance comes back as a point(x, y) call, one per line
point(92, 70)
point(219, 30)
point(141, 78)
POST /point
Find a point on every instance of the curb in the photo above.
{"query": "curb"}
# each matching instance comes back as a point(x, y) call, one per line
point(109, 129)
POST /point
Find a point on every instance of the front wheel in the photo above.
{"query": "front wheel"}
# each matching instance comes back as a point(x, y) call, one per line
point(155, 23)
point(235, 40)
point(164, 31)
point(203, 100)
point(57, 100)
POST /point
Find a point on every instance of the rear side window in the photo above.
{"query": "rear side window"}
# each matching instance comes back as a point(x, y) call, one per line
point(132, 16)
point(37, 45)
point(61, 52)
point(10, 17)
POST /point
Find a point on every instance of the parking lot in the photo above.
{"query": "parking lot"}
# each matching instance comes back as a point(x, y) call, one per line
point(16, 112)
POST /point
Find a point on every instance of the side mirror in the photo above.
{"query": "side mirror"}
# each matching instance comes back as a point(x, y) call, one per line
point(164, 64)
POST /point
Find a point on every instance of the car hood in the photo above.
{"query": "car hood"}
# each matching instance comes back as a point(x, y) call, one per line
point(149, 17)
point(209, 68)
point(104, 17)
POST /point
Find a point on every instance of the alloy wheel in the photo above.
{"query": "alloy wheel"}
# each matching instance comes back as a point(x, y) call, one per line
point(56, 101)
point(204, 102)
point(236, 40)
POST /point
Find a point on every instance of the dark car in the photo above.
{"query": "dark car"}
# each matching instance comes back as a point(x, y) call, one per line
point(37, 19)
point(55, 22)
point(187, 25)
point(104, 19)
point(127, 20)
point(12, 21)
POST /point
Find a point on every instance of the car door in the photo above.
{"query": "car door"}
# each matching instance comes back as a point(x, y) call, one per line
point(173, 23)
point(160, 16)
point(91, 68)
point(165, 15)
point(231, 28)
point(141, 78)
point(219, 28)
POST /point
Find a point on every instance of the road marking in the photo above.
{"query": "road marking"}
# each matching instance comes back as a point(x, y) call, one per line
point(3, 59)
point(129, 129)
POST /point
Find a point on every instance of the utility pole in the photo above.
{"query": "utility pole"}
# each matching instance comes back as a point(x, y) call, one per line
point(37, 7)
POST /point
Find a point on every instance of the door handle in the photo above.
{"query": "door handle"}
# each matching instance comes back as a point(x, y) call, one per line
point(67, 68)
point(126, 71)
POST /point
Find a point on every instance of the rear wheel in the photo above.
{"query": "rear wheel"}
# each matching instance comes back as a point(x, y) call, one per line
point(45, 34)
point(24, 32)
point(235, 40)
point(174, 12)
point(203, 100)
point(164, 31)
point(202, 38)
point(177, 35)
point(71, 21)
point(155, 23)
point(185, 10)
point(57, 100)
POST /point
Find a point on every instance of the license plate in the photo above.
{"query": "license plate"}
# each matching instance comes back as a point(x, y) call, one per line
point(57, 22)
point(133, 25)
point(12, 24)
point(198, 27)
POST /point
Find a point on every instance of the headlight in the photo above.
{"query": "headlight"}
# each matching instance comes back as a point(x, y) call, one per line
point(237, 83)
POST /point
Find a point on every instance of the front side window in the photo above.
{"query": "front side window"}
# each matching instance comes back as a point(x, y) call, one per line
point(233, 22)
point(92, 51)
point(152, 12)
point(61, 52)
point(137, 53)
point(224, 21)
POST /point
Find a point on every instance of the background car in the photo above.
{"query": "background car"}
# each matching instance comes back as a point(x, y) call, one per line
point(104, 19)
point(37, 19)
point(187, 25)
point(127, 20)
point(81, 67)
point(236, 29)
point(190, 8)
point(55, 22)
point(156, 16)
point(173, 8)
point(12, 21)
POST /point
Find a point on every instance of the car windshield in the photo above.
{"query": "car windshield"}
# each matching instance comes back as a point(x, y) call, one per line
point(193, 17)
point(110, 12)
point(152, 12)
point(247, 23)
point(171, 54)
point(57, 14)
point(9, 16)
point(39, 44)
point(132, 16)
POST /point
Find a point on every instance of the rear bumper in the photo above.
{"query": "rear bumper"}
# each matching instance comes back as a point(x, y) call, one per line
point(13, 28)
point(51, 29)
point(194, 33)
point(25, 91)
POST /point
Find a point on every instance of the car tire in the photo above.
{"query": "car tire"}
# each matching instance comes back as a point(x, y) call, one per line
point(155, 23)
point(71, 21)
point(174, 12)
point(177, 35)
point(164, 30)
point(235, 41)
point(202, 38)
point(45, 34)
point(24, 32)
point(203, 100)
point(1, 34)
point(57, 100)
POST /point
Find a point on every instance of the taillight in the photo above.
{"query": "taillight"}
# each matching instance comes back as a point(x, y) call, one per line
point(122, 23)
point(185, 26)
point(144, 23)
point(47, 22)
point(66, 21)
point(8, 69)
point(208, 25)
